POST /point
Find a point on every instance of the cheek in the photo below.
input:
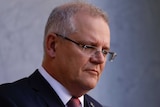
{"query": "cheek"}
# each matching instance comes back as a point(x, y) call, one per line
point(73, 60)
point(102, 66)
point(77, 63)
point(76, 59)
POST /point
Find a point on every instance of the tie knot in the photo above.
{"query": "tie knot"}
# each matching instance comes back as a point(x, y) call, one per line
point(74, 102)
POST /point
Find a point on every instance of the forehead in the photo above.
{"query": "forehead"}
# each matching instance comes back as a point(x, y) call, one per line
point(93, 29)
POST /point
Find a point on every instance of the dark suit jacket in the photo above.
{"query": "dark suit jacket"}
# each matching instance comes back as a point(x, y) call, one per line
point(34, 91)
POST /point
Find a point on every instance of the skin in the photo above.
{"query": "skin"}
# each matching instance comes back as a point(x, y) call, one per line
point(68, 64)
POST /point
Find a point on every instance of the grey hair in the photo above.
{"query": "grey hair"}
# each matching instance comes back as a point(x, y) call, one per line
point(61, 18)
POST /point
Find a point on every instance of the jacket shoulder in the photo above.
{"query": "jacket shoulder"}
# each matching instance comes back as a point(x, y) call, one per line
point(6, 87)
point(20, 92)
point(11, 92)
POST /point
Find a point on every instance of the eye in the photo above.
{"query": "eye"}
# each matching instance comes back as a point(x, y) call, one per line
point(105, 52)
point(88, 47)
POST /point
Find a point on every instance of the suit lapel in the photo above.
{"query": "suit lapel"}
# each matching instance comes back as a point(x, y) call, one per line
point(44, 90)
point(87, 102)
point(90, 102)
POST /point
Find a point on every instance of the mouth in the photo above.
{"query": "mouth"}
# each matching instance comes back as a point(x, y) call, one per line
point(92, 71)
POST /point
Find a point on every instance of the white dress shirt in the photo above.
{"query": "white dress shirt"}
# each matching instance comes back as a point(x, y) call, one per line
point(61, 91)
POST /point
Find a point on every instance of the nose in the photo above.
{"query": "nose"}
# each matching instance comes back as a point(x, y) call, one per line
point(98, 58)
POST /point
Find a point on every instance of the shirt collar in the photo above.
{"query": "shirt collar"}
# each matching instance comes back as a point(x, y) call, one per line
point(59, 88)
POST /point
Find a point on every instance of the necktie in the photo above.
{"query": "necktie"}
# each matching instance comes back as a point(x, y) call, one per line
point(74, 102)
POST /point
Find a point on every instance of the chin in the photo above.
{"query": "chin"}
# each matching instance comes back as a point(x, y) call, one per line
point(87, 83)
point(88, 86)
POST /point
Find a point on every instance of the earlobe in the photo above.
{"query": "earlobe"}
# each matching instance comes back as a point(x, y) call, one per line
point(50, 45)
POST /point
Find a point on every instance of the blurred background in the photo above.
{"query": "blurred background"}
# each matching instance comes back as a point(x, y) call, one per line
point(132, 80)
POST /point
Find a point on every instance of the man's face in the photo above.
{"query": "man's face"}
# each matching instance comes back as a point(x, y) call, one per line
point(76, 69)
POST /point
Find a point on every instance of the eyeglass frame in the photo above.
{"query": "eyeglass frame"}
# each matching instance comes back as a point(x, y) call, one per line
point(105, 53)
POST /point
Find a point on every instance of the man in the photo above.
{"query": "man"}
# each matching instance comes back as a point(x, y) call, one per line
point(76, 46)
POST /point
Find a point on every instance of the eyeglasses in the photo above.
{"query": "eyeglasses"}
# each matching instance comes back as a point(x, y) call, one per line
point(90, 50)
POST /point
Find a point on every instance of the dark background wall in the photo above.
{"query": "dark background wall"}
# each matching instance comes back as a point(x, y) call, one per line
point(132, 80)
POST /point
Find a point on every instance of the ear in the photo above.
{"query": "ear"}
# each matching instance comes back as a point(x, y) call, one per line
point(51, 44)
